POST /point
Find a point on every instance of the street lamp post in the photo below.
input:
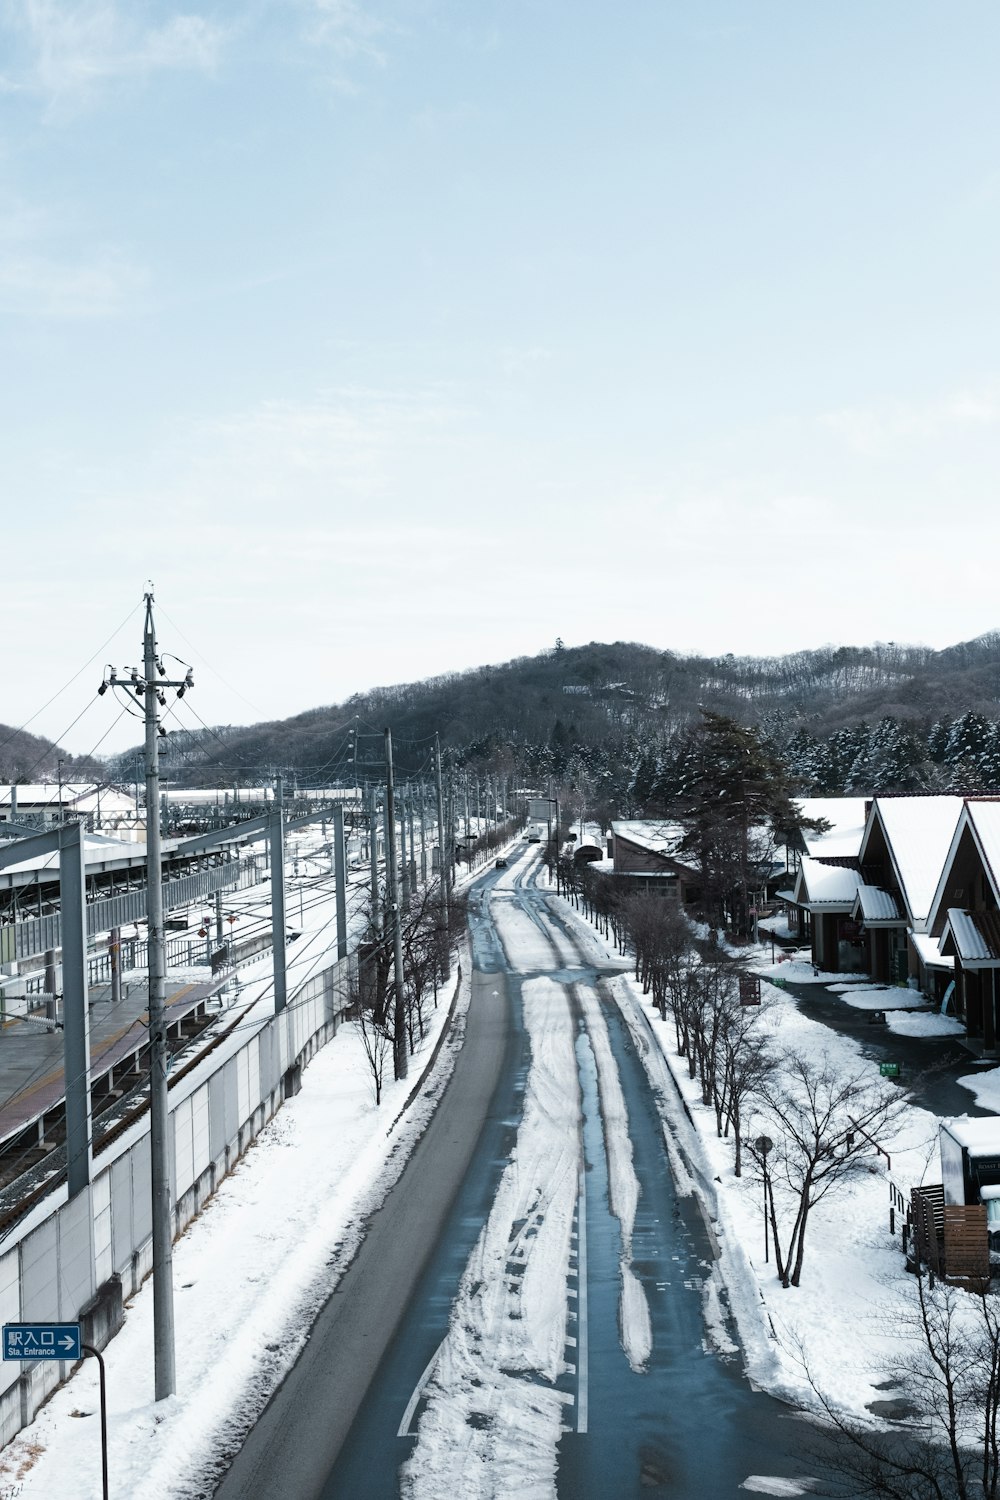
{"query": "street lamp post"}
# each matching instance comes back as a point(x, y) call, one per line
point(764, 1144)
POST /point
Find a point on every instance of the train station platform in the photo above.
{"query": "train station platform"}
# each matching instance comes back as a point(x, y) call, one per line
point(31, 1052)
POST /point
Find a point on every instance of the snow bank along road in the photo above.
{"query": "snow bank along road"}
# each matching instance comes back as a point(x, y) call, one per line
point(527, 1315)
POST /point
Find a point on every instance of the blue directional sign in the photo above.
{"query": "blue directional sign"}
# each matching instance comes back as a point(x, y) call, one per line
point(42, 1341)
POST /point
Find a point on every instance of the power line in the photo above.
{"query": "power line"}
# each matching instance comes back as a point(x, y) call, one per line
point(79, 673)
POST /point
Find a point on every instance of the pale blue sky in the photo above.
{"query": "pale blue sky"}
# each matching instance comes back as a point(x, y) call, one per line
point(394, 338)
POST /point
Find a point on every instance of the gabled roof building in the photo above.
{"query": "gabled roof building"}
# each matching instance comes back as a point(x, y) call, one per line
point(965, 918)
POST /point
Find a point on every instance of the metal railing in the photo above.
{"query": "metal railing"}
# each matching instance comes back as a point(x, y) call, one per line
point(37, 935)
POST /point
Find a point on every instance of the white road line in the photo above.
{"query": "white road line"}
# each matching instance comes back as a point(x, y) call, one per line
point(411, 1405)
point(582, 1373)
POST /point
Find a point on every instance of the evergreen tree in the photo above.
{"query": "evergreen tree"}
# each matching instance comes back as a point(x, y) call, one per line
point(937, 740)
point(892, 761)
point(968, 749)
point(806, 760)
point(733, 790)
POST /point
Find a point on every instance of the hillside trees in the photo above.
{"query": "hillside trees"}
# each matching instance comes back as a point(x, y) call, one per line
point(844, 719)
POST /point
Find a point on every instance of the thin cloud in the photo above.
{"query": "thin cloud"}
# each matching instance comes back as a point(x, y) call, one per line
point(881, 429)
point(44, 287)
point(347, 29)
point(72, 51)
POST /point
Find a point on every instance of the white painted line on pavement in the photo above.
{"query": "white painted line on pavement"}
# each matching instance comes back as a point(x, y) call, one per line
point(581, 1331)
point(414, 1401)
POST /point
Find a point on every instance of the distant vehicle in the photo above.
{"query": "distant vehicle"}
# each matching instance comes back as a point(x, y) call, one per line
point(500, 863)
point(533, 837)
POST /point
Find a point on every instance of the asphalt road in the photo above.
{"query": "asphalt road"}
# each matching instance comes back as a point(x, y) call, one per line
point(929, 1066)
point(295, 1443)
point(688, 1426)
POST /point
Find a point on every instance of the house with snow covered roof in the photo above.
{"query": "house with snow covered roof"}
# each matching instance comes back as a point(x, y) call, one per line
point(902, 853)
point(964, 917)
point(823, 896)
point(864, 901)
point(838, 844)
point(846, 818)
point(646, 851)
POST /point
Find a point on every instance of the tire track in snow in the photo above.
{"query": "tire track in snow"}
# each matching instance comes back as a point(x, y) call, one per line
point(492, 1414)
point(635, 1322)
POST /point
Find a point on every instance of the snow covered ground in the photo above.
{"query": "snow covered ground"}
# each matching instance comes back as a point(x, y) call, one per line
point(842, 1323)
point(252, 1269)
point(249, 1274)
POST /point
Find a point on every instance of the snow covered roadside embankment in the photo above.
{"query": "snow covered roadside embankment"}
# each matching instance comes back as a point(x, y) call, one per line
point(490, 1400)
point(250, 1274)
point(843, 1322)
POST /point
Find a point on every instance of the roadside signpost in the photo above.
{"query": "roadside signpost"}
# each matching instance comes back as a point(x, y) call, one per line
point(29, 1341)
point(42, 1341)
point(749, 989)
point(889, 1069)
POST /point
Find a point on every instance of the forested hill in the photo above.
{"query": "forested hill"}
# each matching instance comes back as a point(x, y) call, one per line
point(612, 713)
point(29, 757)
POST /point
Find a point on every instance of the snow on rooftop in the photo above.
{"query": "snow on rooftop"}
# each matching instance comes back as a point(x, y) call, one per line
point(75, 794)
point(919, 831)
point(980, 1137)
point(829, 884)
point(846, 815)
point(971, 943)
point(659, 835)
point(877, 905)
point(929, 953)
point(985, 819)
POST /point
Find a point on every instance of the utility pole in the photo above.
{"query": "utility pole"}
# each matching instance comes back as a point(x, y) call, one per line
point(159, 1104)
point(279, 930)
point(373, 853)
point(443, 870)
point(150, 687)
point(399, 1053)
point(404, 866)
point(409, 819)
point(340, 875)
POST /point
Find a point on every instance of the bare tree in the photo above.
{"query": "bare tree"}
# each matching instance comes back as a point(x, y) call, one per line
point(825, 1123)
point(948, 1374)
point(746, 1065)
point(376, 1036)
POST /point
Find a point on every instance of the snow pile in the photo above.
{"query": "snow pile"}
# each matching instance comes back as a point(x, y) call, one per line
point(798, 971)
point(879, 999)
point(526, 945)
point(623, 1184)
point(924, 1023)
point(984, 1088)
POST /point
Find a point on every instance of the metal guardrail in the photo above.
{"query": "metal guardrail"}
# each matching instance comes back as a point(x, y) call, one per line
point(37, 935)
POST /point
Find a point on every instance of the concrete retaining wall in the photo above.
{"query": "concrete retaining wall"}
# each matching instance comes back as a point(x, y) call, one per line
point(92, 1253)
